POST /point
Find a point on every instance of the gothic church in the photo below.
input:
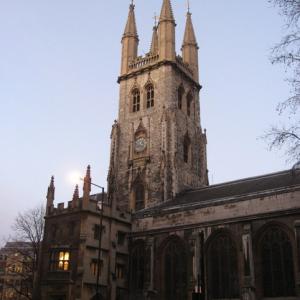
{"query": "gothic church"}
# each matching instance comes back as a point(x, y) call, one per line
point(165, 233)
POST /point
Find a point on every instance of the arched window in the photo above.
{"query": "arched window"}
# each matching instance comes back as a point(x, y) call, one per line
point(175, 271)
point(136, 100)
point(180, 93)
point(189, 101)
point(137, 269)
point(222, 262)
point(139, 197)
point(186, 149)
point(277, 264)
point(150, 95)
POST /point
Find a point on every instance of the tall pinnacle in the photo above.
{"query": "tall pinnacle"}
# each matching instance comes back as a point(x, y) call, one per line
point(130, 29)
point(189, 34)
point(154, 42)
point(130, 41)
point(190, 47)
point(166, 13)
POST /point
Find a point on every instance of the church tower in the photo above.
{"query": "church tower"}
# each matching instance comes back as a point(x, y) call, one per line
point(158, 148)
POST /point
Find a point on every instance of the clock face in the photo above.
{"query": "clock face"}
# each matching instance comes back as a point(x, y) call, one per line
point(140, 144)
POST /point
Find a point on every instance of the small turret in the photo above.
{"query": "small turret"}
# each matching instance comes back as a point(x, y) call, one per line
point(190, 47)
point(87, 181)
point(154, 42)
point(50, 196)
point(166, 32)
point(130, 41)
point(75, 199)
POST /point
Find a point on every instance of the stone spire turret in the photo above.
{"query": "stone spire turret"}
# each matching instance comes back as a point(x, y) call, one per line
point(154, 42)
point(130, 41)
point(166, 32)
point(75, 199)
point(190, 47)
point(87, 181)
point(50, 196)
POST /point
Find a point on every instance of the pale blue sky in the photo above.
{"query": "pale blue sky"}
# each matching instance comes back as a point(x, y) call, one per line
point(59, 62)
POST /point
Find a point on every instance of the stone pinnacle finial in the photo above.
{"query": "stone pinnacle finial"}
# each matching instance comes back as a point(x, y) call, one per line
point(76, 193)
point(166, 11)
point(130, 28)
point(87, 180)
point(154, 42)
point(51, 188)
point(189, 33)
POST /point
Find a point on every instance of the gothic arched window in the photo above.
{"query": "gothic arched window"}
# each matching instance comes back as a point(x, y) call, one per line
point(223, 280)
point(186, 148)
point(137, 269)
point(180, 93)
point(189, 101)
point(150, 95)
point(136, 100)
point(277, 264)
point(139, 196)
point(175, 271)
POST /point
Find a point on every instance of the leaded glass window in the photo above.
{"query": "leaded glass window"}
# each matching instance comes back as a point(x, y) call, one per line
point(223, 280)
point(136, 100)
point(277, 264)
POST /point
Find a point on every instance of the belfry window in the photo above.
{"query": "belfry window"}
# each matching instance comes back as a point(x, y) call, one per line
point(277, 264)
point(150, 95)
point(180, 93)
point(139, 197)
point(136, 100)
point(223, 280)
point(186, 149)
point(189, 101)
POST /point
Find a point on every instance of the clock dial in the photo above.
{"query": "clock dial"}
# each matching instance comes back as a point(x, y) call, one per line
point(140, 145)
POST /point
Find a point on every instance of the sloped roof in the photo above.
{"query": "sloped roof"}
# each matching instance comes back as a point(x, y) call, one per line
point(245, 188)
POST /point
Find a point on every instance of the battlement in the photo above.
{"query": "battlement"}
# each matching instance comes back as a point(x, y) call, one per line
point(141, 61)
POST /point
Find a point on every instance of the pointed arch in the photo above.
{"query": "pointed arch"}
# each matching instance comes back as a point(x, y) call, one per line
point(136, 99)
point(173, 266)
point(137, 268)
point(222, 266)
point(150, 94)
point(276, 261)
point(139, 193)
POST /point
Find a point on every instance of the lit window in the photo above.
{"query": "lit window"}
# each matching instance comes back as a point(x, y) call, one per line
point(136, 99)
point(150, 96)
point(120, 271)
point(94, 267)
point(60, 261)
point(64, 259)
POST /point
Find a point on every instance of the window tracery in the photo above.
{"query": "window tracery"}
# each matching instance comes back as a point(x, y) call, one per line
point(150, 95)
point(136, 100)
point(277, 264)
point(223, 282)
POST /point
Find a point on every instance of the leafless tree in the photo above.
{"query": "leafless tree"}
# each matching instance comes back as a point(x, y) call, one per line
point(28, 227)
point(287, 52)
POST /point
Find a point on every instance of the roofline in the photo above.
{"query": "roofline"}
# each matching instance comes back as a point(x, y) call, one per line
point(237, 181)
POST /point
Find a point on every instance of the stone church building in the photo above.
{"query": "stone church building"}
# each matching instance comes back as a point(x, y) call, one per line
point(163, 232)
